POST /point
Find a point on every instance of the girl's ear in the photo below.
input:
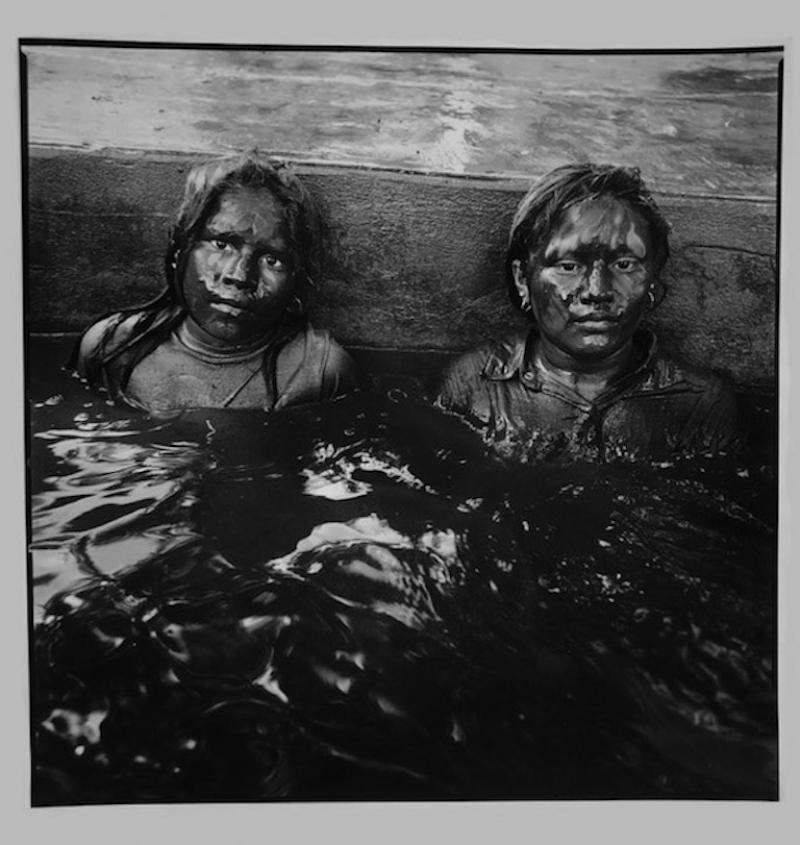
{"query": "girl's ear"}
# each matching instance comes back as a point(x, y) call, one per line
point(521, 283)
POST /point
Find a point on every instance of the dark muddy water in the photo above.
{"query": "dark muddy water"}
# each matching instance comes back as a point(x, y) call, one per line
point(354, 601)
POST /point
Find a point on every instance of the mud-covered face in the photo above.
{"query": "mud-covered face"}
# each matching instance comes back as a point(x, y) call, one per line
point(588, 288)
point(238, 279)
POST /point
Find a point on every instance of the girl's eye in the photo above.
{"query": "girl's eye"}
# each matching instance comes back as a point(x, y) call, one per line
point(568, 267)
point(272, 261)
point(218, 244)
point(627, 265)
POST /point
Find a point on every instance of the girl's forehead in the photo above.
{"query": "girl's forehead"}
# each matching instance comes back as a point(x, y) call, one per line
point(251, 209)
point(602, 221)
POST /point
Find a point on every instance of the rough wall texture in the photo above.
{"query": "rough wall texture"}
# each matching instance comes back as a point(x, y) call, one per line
point(414, 263)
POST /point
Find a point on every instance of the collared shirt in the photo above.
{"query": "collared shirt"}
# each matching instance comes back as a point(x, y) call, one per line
point(657, 409)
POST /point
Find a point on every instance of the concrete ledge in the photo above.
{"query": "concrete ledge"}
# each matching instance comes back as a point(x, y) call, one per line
point(414, 261)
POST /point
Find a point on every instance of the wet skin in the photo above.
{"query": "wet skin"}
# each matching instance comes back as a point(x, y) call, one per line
point(238, 279)
point(588, 288)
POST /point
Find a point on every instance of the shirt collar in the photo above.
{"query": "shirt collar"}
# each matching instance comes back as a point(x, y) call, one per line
point(513, 358)
point(507, 358)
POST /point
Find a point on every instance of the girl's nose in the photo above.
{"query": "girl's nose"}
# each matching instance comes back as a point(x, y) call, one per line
point(597, 285)
point(239, 270)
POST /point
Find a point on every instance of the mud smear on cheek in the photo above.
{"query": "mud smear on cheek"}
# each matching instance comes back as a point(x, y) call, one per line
point(268, 289)
point(628, 292)
point(624, 290)
point(566, 295)
point(554, 300)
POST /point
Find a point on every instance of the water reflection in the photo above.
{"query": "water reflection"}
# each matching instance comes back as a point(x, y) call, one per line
point(356, 601)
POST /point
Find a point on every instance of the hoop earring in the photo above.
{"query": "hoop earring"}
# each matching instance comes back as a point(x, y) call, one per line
point(295, 307)
point(651, 294)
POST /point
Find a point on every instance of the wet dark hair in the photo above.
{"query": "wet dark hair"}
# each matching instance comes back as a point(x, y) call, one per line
point(206, 183)
point(542, 209)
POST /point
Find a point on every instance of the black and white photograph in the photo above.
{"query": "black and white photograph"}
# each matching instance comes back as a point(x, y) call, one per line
point(401, 421)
